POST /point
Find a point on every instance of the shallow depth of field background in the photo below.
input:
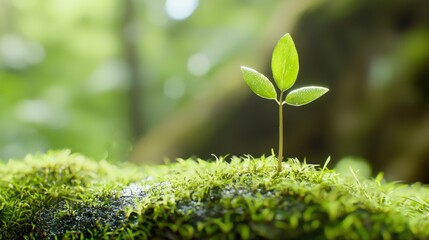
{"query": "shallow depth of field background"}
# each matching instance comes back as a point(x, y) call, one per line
point(148, 80)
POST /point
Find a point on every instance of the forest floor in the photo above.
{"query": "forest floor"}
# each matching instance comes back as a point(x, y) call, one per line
point(68, 196)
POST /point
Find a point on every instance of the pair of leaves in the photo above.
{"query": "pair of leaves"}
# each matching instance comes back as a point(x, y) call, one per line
point(285, 67)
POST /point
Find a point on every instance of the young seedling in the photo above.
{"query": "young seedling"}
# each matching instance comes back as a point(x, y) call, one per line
point(285, 66)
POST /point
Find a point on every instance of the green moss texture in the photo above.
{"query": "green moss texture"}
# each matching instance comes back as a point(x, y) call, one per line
point(60, 195)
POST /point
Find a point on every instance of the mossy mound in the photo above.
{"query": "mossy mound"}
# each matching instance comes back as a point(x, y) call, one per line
point(63, 195)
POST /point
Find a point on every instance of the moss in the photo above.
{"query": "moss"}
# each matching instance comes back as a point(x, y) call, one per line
point(63, 195)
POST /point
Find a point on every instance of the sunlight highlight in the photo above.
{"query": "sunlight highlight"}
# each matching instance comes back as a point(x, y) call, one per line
point(180, 9)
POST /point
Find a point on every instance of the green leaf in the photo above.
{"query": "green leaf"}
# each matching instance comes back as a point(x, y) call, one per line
point(305, 95)
point(259, 84)
point(284, 63)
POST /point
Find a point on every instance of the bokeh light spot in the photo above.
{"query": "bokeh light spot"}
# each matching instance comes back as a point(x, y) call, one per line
point(199, 64)
point(359, 165)
point(180, 9)
point(174, 88)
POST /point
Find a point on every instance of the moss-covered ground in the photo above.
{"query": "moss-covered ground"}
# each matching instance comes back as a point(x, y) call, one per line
point(60, 195)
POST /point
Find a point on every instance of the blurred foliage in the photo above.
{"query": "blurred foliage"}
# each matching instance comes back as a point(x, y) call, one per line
point(61, 78)
point(67, 74)
point(64, 77)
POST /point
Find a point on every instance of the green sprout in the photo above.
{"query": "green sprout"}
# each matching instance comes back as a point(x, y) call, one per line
point(284, 66)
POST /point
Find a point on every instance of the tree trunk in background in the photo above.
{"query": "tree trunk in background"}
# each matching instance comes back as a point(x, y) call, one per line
point(129, 35)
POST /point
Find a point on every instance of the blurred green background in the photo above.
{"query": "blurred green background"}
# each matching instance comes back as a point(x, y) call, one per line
point(147, 80)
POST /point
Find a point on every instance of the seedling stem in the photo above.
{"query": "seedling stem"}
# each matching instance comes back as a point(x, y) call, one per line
point(280, 156)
